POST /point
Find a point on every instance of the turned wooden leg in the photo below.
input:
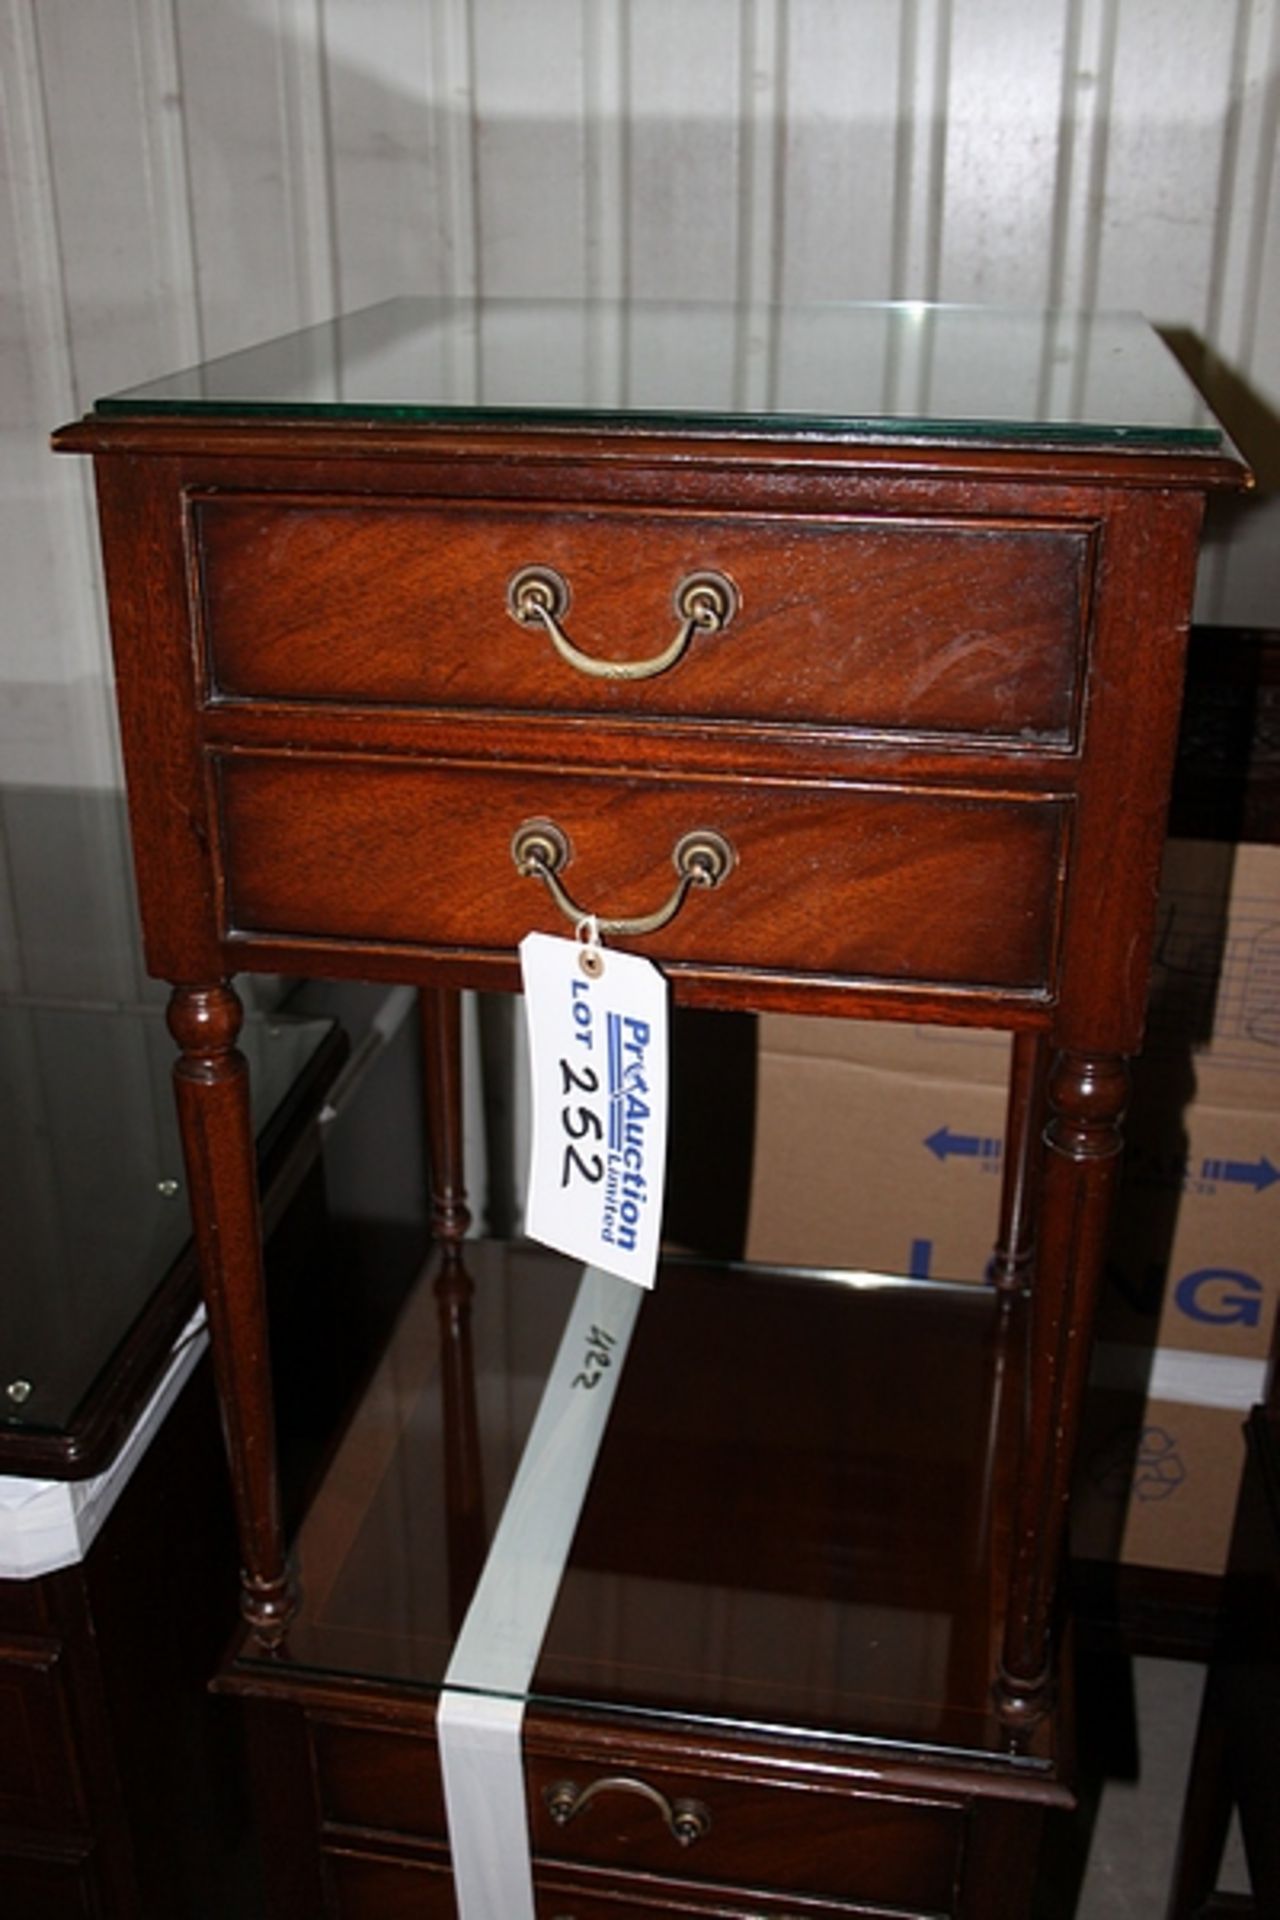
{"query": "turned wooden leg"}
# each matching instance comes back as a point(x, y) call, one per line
point(442, 1053)
point(1087, 1095)
point(1011, 1262)
point(212, 1084)
point(450, 1218)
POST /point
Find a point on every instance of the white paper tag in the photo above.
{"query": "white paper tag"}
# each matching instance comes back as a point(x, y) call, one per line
point(598, 1074)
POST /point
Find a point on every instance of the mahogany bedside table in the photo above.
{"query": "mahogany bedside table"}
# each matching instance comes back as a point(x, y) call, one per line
point(443, 622)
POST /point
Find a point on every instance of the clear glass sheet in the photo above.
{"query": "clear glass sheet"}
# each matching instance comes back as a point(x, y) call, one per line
point(787, 1526)
point(97, 1214)
point(906, 369)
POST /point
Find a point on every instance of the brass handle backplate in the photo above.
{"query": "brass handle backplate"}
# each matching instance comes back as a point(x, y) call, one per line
point(701, 858)
point(686, 1820)
point(539, 597)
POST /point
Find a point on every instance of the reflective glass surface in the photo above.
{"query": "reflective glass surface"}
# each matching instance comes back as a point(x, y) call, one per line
point(786, 1528)
point(93, 1210)
point(909, 370)
point(95, 1214)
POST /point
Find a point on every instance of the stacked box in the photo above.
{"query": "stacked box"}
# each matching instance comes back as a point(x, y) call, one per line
point(881, 1147)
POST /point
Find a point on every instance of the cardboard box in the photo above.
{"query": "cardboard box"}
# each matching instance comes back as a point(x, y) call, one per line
point(1156, 1483)
point(881, 1147)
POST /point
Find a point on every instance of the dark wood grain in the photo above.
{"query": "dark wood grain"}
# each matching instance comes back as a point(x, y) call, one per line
point(970, 627)
point(896, 884)
point(211, 1082)
point(939, 736)
point(1087, 1096)
point(450, 1220)
point(1012, 1258)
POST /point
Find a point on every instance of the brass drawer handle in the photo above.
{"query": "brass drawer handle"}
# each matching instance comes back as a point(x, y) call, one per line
point(702, 858)
point(687, 1820)
point(539, 597)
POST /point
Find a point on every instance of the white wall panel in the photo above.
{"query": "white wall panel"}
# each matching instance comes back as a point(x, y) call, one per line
point(388, 153)
point(531, 195)
point(685, 148)
point(53, 698)
point(189, 175)
point(1002, 150)
point(843, 76)
point(242, 148)
point(1167, 123)
point(116, 140)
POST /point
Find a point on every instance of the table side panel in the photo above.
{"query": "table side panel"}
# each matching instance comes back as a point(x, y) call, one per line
point(1146, 574)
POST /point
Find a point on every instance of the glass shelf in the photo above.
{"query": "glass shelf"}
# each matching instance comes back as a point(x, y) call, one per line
point(786, 1530)
point(909, 370)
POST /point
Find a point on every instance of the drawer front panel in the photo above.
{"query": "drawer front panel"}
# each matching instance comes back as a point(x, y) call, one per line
point(37, 1769)
point(861, 1847)
point(379, 1778)
point(49, 1889)
point(969, 628)
point(371, 1886)
point(828, 881)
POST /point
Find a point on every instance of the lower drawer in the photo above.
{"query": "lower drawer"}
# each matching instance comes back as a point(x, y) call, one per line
point(703, 1830)
point(861, 1847)
point(840, 881)
point(365, 1885)
point(48, 1889)
point(38, 1789)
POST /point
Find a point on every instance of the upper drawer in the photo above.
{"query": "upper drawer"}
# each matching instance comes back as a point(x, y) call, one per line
point(953, 627)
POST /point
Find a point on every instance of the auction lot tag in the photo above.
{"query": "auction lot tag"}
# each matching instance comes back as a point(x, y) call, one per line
point(597, 1024)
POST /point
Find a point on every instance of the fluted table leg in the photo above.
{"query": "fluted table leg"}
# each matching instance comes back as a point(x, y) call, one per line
point(1011, 1263)
point(450, 1219)
point(212, 1084)
point(1087, 1096)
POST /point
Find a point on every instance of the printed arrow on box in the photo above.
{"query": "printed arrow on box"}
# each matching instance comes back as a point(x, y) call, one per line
point(1245, 1173)
point(944, 1143)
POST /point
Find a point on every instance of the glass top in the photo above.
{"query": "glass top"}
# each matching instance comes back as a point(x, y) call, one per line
point(907, 370)
point(787, 1528)
point(96, 1215)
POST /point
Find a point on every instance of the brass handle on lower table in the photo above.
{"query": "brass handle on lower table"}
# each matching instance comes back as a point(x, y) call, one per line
point(701, 858)
point(687, 1820)
point(539, 597)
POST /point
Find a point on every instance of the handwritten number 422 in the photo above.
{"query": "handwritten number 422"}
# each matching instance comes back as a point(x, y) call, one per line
point(597, 1359)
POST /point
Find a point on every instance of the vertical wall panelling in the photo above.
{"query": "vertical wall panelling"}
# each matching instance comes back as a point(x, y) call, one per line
point(838, 171)
point(169, 127)
point(686, 148)
point(453, 108)
point(1084, 95)
point(1245, 276)
point(307, 176)
point(386, 98)
point(531, 160)
point(54, 718)
point(924, 68)
point(120, 182)
point(760, 191)
point(1001, 151)
point(604, 109)
point(1164, 158)
point(242, 152)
